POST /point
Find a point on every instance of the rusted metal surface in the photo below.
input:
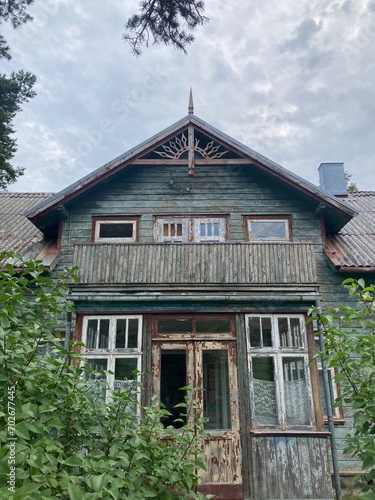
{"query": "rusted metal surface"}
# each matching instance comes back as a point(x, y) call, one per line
point(290, 467)
point(240, 263)
point(354, 246)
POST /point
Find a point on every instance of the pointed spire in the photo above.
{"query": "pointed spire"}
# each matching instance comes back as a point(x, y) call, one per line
point(191, 104)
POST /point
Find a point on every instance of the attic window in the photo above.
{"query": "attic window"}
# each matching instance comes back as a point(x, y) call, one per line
point(115, 230)
point(268, 228)
point(191, 229)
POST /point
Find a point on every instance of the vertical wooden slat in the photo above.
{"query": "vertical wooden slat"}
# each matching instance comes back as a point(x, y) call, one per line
point(197, 263)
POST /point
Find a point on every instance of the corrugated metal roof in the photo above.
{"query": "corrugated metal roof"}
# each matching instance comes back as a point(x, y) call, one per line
point(354, 245)
point(17, 233)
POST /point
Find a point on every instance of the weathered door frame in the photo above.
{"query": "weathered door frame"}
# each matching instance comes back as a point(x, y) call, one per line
point(222, 449)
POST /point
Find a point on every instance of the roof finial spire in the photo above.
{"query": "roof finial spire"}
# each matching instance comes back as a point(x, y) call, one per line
point(191, 104)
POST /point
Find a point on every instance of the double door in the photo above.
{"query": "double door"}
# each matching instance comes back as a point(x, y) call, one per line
point(212, 365)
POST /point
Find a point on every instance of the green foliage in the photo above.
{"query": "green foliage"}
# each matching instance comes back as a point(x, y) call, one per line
point(13, 12)
point(57, 440)
point(165, 21)
point(350, 347)
point(14, 90)
point(350, 186)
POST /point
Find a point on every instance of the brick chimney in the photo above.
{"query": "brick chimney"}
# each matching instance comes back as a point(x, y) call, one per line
point(332, 179)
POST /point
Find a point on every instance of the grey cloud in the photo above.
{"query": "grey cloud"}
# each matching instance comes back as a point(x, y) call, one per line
point(304, 34)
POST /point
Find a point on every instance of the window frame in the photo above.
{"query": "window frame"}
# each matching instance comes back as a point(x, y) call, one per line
point(190, 228)
point(98, 221)
point(111, 354)
point(197, 221)
point(334, 387)
point(269, 218)
point(278, 353)
point(159, 223)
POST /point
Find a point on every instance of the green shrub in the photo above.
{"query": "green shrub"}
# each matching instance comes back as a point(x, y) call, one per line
point(57, 440)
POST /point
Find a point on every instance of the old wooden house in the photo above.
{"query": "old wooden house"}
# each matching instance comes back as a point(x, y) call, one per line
point(198, 261)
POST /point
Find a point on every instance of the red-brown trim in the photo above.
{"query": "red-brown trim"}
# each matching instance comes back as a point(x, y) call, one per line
point(268, 217)
point(222, 491)
point(119, 218)
point(193, 335)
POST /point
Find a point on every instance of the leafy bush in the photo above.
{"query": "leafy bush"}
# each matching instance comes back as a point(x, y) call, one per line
point(350, 348)
point(57, 440)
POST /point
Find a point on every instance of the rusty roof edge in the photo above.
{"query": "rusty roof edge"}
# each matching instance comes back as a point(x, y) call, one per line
point(87, 181)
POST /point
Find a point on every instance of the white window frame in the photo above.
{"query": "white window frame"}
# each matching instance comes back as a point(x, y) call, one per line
point(184, 221)
point(190, 229)
point(209, 220)
point(111, 353)
point(252, 238)
point(99, 222)
point(278, 353)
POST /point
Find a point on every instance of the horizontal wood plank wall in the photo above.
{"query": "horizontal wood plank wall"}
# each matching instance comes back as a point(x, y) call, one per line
point(289, 468)
point(239, 263)
point(231, 190)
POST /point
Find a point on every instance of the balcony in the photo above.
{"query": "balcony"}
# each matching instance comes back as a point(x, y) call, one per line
point(196, 264)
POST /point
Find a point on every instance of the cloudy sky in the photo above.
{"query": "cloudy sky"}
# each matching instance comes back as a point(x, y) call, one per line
point(293, 80)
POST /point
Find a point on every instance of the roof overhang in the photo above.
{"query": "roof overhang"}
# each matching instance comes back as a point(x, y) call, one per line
point(336, 212)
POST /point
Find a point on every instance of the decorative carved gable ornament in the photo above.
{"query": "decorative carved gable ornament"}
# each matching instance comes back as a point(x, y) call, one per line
point(192, 145)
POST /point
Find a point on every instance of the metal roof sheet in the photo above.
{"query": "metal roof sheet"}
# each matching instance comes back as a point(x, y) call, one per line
point(17, 233)
point(354, 245)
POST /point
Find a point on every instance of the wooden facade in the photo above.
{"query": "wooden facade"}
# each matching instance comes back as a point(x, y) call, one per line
point(223, 301)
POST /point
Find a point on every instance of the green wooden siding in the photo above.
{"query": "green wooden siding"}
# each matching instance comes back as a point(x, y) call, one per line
point(236, 191)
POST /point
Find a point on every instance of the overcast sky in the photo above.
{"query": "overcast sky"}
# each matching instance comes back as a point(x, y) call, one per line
point(294, 80)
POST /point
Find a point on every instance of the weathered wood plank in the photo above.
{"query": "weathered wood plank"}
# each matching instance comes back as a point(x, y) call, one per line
point(240, 263)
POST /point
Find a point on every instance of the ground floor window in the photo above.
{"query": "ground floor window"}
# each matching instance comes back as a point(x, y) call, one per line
point(114, 344)
point(280, 385)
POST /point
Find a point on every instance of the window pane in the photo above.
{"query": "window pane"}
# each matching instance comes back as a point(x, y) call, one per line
point(283, 332)
point(103, 334)
point(133, 333)
point(175, 326)
point(268, 229)
point(260, 332)
point(216, 404)
point(202, 229)
point(290, 332)
point(92, 329)
point(97, 334)
point(123, 370)
point(255, 336)
point(116, 230)
point(212, 325)
point(209, 229)
point(165, 229)
point(266, 332)
point(121, 334)
point(179, 229)
point(216, 229)
point(172, 378)
point(295, 332)
point(295, 388)
point(98, 383)
point(264, 391)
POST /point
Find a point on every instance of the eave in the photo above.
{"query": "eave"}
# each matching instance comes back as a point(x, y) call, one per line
point(337, 213)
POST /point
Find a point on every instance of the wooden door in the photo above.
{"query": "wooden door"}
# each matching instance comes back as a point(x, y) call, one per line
point(213, 366)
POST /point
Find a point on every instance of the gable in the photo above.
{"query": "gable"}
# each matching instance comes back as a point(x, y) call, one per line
point(190, 143)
